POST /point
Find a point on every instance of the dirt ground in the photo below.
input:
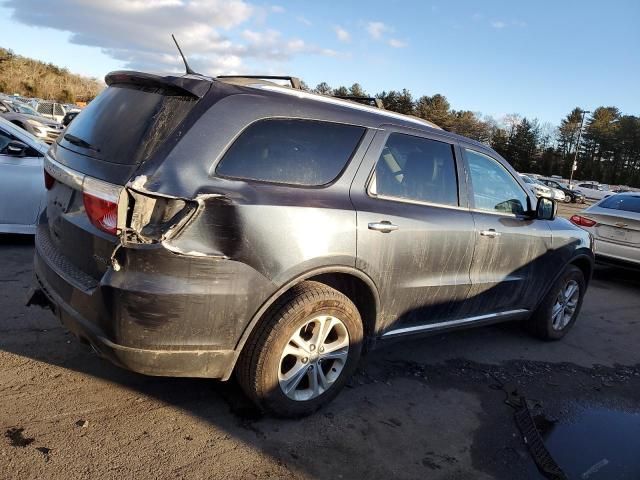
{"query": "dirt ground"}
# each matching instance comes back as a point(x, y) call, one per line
point(430, 408)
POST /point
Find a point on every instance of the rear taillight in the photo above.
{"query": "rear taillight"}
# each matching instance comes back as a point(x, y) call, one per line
point(48, 180)
point(101, 204)
point(582, 221)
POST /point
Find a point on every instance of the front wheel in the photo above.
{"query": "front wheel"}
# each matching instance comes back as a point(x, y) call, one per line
point(558, 311)
point(303, 353)
point(567, 199)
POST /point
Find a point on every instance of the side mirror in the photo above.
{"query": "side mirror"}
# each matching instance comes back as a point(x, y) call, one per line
point(15, 148)
point(546, 209)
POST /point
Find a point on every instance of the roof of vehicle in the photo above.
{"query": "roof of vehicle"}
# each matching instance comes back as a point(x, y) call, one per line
point(369, 115)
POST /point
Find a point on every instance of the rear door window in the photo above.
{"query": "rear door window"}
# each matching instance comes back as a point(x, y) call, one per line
point(416, 168)
point(290, 151)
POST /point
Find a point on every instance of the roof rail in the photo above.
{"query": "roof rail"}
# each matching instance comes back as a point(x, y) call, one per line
point(372, 101)
point(295, 81)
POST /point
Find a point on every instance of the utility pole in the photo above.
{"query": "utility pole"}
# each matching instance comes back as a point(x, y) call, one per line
point(575, 156)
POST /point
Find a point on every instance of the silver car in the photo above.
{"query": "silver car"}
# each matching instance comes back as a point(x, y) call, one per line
point(614, 223)
point(22, 189)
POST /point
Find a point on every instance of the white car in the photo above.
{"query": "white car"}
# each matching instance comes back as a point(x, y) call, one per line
point(594, 191)
point(22, 190)
point(538, 189)
point(614, 223)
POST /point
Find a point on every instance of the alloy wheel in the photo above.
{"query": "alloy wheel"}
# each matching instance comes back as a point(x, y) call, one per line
point(313, 358)
point(565, 306)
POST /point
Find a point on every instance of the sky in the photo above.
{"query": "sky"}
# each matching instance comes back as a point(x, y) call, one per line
point(539, 59)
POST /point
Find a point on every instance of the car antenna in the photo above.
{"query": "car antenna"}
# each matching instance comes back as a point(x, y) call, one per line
point(186, 65)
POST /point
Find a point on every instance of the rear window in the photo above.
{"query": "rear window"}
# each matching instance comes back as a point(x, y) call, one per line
point(628, 203)
point(297, 152)
point(126, 125)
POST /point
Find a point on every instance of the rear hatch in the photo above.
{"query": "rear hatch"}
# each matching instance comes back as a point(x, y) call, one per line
point(121, 129)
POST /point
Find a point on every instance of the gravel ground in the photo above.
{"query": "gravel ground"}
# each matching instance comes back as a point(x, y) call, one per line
point(429, 408)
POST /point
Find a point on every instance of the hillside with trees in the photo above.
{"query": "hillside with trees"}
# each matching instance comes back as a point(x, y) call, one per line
point(33, 78)
point(608, 152)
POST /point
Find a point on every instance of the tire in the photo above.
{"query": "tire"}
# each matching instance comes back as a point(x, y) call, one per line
point(567, 199)
point(265, 371)
point(542, 323)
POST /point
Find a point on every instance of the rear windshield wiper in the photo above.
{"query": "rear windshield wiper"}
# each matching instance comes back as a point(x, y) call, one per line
point(80, 142)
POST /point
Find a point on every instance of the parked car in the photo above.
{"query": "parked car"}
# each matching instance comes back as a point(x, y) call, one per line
point(594, 191)
point(538, 189)
point(570, 194)
point(25, 117)
point(201, 227)
point(614, 223)
point(69, 116)
point(22, 191)
point(52, 110)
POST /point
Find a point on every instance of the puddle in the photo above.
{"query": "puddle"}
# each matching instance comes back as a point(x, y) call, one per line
point(596, 444)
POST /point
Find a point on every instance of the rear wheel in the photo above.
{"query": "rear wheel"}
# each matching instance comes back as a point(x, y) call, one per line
point(567, 199)
point(558, 311)
point(306, 349)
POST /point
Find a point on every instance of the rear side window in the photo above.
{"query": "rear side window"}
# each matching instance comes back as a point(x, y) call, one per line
point(296, 152)
point(628, 203)
point(416, 168)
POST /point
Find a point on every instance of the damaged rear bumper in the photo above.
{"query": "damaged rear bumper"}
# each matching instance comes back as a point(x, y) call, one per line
point(171, 363)
point(182, 363)
point(175, 333)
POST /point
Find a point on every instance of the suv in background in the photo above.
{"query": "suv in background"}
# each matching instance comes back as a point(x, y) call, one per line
point(204, 227)
point(52, 110)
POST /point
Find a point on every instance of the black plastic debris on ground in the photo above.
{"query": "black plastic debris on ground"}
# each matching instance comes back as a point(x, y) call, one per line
point(17, 439)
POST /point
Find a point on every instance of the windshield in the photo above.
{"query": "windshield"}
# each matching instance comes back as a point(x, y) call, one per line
point(628, 203)
point(22, 108)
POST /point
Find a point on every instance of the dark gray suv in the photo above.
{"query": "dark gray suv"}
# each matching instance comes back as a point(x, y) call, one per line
point(205, 227)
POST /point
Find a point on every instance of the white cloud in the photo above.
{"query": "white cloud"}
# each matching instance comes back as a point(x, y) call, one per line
point(214, 34)
point(342, 34)
point(498, 24)
point(376, 29)
point(395, 43)
point(277, 9)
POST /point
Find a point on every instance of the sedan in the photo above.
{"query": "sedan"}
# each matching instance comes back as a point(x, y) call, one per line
point(540, 190)
point(22, 189)
point(615, 225)
point(26, 117)
point(570, 195)
point(594, 191)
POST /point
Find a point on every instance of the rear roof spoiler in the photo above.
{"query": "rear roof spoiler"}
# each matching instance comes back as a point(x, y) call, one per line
point(191, 85)
point(294, 81)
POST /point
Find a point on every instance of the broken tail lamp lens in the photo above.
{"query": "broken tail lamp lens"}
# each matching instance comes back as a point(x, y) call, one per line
point(101, 204)
point(582, 221)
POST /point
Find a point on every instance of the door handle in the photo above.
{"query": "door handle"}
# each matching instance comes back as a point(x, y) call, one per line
point(491, 233)
point(383, 226)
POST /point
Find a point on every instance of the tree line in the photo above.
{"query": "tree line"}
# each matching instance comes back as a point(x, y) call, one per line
point(33, 78)
point(608, 149)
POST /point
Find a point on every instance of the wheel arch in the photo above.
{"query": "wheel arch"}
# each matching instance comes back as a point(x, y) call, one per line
point(353, 283)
